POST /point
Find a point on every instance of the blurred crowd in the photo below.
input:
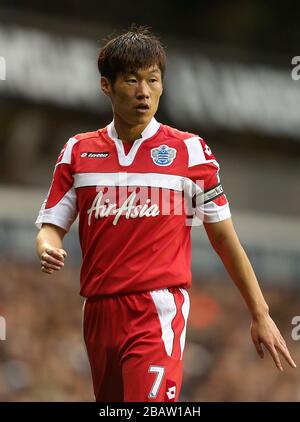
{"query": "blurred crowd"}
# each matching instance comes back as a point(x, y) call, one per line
point(43, 357)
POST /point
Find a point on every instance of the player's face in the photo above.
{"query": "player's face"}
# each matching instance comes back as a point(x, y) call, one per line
point(135, 96)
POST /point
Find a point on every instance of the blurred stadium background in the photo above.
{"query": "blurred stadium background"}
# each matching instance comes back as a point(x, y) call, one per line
point(228, 79)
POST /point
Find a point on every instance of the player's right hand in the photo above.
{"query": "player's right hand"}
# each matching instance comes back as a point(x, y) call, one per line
point(52, 259)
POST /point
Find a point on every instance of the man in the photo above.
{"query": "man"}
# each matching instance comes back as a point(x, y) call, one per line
point(127, 182)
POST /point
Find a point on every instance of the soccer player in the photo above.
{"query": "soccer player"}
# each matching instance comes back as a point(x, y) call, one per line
point(130, 182)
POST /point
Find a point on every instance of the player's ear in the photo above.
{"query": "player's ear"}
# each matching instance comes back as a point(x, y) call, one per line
point(106, 86)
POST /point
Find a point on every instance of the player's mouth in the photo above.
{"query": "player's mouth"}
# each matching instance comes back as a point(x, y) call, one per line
point(142, 108)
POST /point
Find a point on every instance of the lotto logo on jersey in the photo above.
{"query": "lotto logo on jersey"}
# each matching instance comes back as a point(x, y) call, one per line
point(170, 391)
point(94, 154)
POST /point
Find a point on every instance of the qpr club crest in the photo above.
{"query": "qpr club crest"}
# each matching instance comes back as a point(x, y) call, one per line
point(163, 155)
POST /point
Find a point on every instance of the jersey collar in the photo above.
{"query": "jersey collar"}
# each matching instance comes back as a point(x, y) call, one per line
point(149, 130)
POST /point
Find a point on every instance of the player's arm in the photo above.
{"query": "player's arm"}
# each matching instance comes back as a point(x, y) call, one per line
point(264, 331)
point(49, 246)
point(58, 212)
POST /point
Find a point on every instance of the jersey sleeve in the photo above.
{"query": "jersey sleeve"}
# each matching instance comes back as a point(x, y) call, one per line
point(203, 170)
point(60, 205)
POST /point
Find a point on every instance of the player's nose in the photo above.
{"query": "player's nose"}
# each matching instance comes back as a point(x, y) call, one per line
point(142, 90)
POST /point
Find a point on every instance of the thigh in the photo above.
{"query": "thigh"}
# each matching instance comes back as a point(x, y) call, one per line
point(103, 352)
point(106, 374)
point(152, 363)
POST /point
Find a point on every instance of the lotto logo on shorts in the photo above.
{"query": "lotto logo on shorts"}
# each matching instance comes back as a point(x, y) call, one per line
point(170, 390)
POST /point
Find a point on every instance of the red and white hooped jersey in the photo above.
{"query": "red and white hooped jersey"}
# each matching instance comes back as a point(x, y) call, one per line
point(134, 220)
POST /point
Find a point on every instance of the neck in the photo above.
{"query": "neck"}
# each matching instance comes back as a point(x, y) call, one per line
point(126, 132)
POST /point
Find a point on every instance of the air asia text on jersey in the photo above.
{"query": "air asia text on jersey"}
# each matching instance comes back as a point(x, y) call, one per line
point(138, 202)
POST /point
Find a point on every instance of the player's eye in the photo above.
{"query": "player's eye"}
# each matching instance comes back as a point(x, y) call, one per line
point(152, 80)
point(131, 80)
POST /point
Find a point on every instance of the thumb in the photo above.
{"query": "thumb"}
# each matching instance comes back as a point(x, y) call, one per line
point(62, 252)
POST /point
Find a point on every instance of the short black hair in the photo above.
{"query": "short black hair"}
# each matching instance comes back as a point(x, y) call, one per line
point(138, 48)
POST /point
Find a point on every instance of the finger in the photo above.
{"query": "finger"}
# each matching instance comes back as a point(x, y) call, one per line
point(58, 254)
point(275, 356)
point(287, 356)
point(49, 266)
point(55, 255)
point(46, 271)
point(259, 348)
point(63, 252)
point(49, 259)
point(282, 341)
point(45, 259)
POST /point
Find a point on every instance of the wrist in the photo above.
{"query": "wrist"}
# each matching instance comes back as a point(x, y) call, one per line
point(260, 313)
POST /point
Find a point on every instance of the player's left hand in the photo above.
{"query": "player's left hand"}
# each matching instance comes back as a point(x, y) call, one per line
point(264, 331)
